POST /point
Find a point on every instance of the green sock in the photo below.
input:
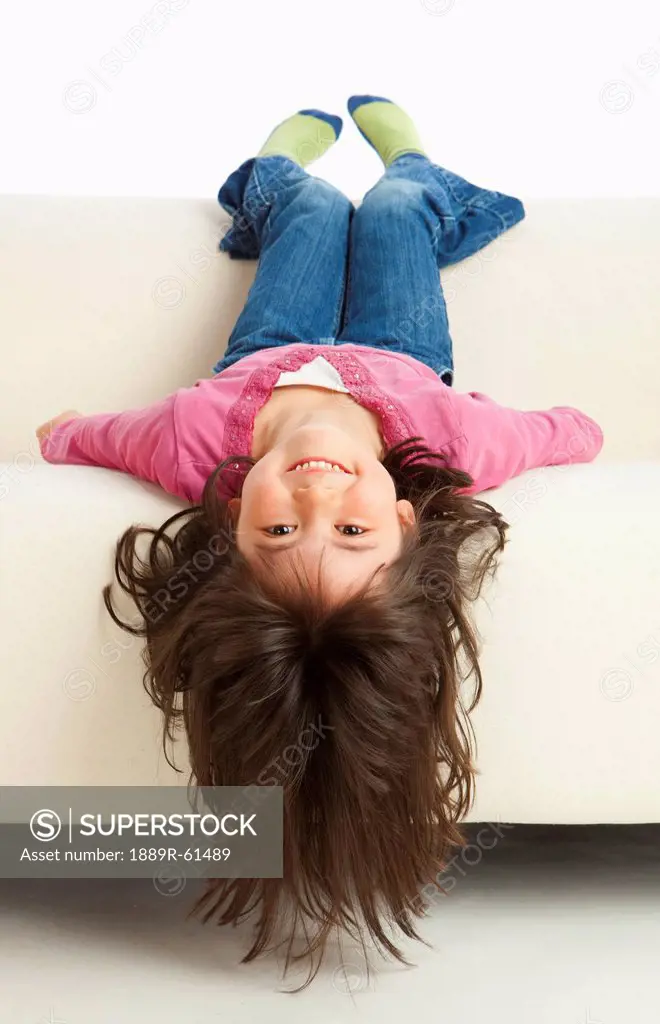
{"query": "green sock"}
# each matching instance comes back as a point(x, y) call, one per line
point(304, 137)
point(385, 126)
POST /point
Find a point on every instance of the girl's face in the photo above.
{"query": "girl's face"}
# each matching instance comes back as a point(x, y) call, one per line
point(344, 522)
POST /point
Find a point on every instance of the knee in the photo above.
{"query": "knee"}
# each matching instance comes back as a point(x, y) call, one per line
point(318, 193)
point(393, 197)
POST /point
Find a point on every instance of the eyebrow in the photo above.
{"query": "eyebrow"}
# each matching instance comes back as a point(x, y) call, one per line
point(273, 549)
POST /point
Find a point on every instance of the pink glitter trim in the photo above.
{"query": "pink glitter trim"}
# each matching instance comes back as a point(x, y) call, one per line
point(239, 428)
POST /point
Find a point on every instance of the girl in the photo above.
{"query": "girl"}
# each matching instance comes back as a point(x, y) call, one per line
point(323, 576)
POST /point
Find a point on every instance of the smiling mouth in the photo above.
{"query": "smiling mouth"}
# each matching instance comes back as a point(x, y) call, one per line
point(317, 466)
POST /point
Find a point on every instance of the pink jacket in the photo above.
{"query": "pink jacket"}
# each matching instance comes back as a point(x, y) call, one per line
point(177, 442)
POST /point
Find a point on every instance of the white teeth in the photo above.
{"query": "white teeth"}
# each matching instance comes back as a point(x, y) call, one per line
point(329, 467)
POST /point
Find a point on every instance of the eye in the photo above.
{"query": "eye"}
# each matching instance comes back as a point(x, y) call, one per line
point(280, 530)
point(350, 531)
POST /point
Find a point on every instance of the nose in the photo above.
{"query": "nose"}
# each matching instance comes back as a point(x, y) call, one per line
point(316, 494)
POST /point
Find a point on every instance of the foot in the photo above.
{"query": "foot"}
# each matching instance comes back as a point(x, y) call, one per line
point(304, 137)
point(385, 126)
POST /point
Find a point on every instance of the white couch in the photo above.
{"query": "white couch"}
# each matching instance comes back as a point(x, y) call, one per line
point(113, 303)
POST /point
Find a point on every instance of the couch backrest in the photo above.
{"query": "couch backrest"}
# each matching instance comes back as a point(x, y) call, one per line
point(112, 303)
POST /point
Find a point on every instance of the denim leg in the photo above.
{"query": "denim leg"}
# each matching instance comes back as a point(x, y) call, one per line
point(297, 226)
point(418, 218)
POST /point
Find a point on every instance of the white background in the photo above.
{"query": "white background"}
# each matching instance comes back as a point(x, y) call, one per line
point(132, 98)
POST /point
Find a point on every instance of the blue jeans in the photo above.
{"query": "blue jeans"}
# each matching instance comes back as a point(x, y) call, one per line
point(329, 273)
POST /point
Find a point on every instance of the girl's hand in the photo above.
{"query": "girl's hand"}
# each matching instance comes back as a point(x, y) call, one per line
point(45, 429)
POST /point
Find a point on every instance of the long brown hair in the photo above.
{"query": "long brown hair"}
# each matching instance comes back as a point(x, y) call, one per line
point(372, 809)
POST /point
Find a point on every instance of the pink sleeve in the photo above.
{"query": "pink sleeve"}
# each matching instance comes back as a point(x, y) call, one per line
point(141, 442)
point(501, 442)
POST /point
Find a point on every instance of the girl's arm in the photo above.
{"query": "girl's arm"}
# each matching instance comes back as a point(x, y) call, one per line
point(46, 429)
point(500, 443)
point(141, 442)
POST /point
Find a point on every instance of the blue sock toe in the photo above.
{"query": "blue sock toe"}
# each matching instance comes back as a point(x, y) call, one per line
point(335, 123)
point(357, 101)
